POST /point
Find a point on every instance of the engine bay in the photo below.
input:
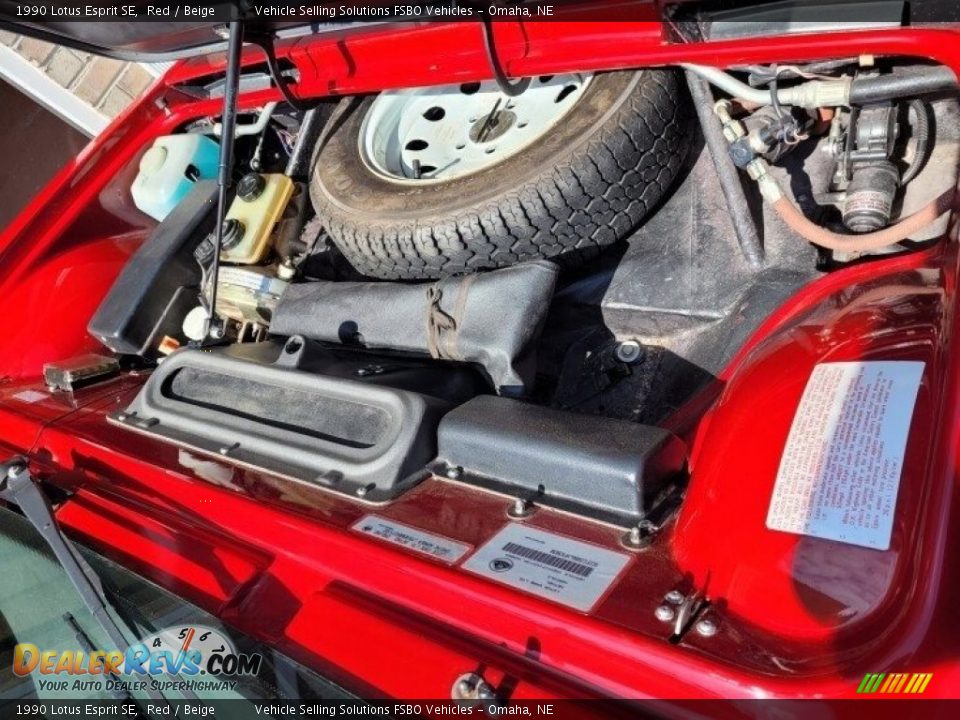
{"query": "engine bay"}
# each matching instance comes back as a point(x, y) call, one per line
point(280, 353)
point(400, 366)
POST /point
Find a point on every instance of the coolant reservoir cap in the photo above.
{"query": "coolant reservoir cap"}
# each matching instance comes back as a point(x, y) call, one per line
point(153, 159)
point(233, 231)
point(250, 186)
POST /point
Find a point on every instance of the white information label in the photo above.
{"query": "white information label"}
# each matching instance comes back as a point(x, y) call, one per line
point(435, 546)
point(840, 470)
point(552, 566)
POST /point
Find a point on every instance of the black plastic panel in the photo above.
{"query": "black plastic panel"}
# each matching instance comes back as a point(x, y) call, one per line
point(453, 382)
point(366, 440)
point(159, 284)
point(605, 468)
point(491, 319)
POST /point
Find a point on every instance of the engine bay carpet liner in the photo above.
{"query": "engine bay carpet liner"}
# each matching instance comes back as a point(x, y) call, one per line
point(679, 288)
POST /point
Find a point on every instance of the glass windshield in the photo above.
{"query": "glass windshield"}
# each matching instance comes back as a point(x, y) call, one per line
point(52, 648)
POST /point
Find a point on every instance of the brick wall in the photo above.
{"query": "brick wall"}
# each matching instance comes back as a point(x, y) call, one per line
point(104, 84)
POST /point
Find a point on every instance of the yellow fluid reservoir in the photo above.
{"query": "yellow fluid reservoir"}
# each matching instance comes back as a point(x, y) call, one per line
point(260, 202)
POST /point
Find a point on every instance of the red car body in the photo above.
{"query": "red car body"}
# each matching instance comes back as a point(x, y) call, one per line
point(280, 563)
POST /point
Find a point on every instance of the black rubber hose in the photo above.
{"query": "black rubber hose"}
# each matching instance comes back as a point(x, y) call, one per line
point(265, 42)
point(747, 235)
point(879, 88)
point(510, 89)
point(921, 136)
point(298, 166)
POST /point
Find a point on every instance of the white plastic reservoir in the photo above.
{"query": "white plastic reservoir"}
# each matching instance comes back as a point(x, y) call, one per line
point(169, 169)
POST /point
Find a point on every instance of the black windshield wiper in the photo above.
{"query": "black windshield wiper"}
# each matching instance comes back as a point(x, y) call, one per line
point(18, 487)
point(86, 644)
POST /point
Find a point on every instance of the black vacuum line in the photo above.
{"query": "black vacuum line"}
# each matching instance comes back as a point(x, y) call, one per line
point(510, 89)
point(265, 41)
point(214, 329)
point(922, 137)
point(740, 215)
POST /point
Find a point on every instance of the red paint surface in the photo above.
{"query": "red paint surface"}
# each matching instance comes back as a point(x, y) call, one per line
point(280, 562)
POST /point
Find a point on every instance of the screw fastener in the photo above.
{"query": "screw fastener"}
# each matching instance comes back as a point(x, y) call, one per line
point(520, 509)
point(674, 597)
point(706, 627)
point(665, 613)
point(454, 472)
point(472, 686)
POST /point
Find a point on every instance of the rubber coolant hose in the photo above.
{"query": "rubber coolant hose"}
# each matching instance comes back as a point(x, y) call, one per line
point(797, 222)
point(880, 88)
point(921, 132)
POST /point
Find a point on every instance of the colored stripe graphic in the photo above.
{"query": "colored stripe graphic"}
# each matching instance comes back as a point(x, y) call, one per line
point(894, 683)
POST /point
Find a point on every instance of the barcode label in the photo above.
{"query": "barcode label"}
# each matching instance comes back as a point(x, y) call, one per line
point(555, 567)
point(551, 560)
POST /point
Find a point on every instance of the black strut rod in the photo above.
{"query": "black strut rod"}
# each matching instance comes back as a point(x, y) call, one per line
point(214, 329)
point(747, 236)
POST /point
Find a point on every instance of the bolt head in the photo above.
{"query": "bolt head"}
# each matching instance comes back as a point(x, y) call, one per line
point(665, 613)
point(706, 627)
point(674, 597)
point(454, 473)
point(361, 491)
point(485, 692)
point(628, 351)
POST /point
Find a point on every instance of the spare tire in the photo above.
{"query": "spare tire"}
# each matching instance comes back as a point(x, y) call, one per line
point(426, 183)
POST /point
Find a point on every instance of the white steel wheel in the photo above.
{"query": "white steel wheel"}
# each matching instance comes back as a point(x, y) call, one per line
point(582, 180)
point(430, 135)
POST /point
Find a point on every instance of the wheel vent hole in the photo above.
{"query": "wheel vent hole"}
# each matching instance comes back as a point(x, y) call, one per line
point(489, 150)
point(545, 78)
point(435, 113)
point(565, 93)
point(427, 169)
point(417, 145)
point(521, 125)
point(470, 88)
point(460, 146)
